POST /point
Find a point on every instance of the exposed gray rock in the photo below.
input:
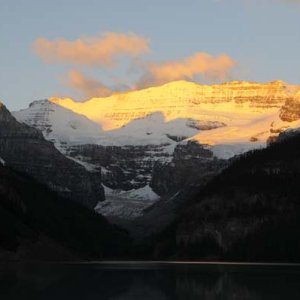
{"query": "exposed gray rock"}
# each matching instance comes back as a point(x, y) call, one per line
point(191, 165)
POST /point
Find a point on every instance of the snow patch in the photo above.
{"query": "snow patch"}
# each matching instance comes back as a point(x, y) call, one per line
point(144, 194)
point(126, 204)
point(88, 166)
point(2, 161)
point(152, 129)
point(227, 151)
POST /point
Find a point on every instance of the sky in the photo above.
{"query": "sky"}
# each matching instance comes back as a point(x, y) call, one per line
point(86, 48)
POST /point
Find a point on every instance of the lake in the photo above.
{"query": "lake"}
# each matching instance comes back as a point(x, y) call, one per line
point(149, 281)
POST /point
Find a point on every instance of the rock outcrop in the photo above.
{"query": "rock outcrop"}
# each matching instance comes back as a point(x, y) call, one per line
point(290, 111)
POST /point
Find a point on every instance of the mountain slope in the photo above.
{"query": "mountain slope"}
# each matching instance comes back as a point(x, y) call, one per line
point(250, 212)
point(24, 149)
point(37, 224)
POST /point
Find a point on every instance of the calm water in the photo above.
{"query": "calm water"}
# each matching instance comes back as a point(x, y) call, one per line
point(148, 281)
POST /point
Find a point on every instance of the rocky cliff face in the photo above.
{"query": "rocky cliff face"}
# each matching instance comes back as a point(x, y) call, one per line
point(167, 137)
point(124, 168)
point(191, 165)
point(24, 148)
point(290, 111)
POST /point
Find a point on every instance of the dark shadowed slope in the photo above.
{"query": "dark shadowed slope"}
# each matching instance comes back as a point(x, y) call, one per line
point(250, 212)
point(37, 224)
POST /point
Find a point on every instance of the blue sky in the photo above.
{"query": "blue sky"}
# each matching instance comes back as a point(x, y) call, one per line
point(262, 36)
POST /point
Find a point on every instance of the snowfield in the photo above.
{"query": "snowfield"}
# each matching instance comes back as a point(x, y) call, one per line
point(126, 204)
point(2, 161)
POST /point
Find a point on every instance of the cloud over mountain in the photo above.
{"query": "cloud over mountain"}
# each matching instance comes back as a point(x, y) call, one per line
point(104, 52)
point(200, 63)
point(88, 87)
point(91, 51)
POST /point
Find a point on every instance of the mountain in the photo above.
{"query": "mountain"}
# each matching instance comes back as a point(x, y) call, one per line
point(24, 149)
point(249, 212)
point(241, 114)
point(38, 224)
point(159, 140)
point(178, 163)
point(135, 175)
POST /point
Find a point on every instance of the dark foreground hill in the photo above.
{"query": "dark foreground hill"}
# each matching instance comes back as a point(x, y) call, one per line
point(38, 224)
point(250, 212)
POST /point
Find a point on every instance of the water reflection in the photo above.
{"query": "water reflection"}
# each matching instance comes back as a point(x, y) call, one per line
point(147, 282)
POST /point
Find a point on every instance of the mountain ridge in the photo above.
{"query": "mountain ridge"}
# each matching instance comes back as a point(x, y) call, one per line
point(186, 83)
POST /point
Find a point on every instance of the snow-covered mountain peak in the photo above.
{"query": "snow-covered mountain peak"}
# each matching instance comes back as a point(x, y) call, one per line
point(240, 115)
point(154, 139)
point(181, 99)
point(58, 123)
